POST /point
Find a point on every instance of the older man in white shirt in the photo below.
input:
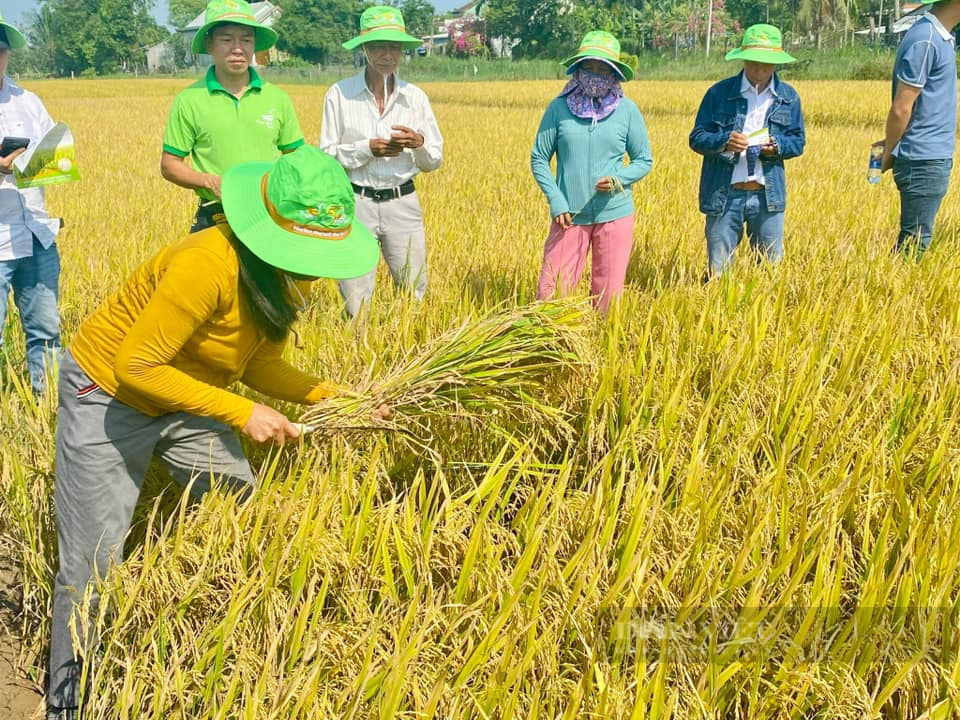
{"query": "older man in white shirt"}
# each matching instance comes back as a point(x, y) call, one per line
point(383, 132)
point(29, 261)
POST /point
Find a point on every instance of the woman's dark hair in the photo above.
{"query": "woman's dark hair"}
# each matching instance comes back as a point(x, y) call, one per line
point(262, 287)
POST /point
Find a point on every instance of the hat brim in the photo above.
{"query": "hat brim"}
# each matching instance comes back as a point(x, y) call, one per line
point(353, 256)
point(264, 37)
point(571, 68)
point(15, 38)
point(407, 42)
point(772, 57)
point(626, 72)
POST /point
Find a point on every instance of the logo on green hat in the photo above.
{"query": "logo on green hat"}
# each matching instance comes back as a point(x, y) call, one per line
point(761, 43)
point(601, 45)
point(298, 215)
point(238, 12)
point(382, 23)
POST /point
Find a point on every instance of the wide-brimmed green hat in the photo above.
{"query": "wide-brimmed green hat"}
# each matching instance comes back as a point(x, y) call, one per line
point(14, 38)
point(297, 214)
point(600, 45)
point(761, 43)
point(237, 12)
point(384, 24)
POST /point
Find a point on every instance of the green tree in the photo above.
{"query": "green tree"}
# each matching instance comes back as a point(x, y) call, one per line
point(182, 12)
point(96, 36)
point(540, 27)
point(314, 30)
point(40, 55)
point(418, 17)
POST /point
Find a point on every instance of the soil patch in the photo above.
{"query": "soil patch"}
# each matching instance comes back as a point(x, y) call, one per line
point(20, 698)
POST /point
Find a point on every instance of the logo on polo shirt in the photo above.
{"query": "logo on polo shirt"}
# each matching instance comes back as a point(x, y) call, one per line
point(268, 119)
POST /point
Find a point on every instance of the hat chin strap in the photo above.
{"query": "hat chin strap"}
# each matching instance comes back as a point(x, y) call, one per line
point(294, 227)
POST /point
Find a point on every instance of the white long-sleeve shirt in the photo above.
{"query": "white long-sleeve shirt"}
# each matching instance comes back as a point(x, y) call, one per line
point(23, 213)
point(351, 119)
point(758, 106)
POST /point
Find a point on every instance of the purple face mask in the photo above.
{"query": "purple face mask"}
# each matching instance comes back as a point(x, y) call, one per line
point(592, 96)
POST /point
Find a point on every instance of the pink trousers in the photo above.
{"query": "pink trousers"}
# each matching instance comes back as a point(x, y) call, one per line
point(565, 256)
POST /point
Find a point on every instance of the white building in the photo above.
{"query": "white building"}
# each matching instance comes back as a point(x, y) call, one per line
point(160, 58)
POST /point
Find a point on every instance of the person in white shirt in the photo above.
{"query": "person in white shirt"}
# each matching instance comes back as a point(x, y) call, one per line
point(29, 260)
point(383, 131)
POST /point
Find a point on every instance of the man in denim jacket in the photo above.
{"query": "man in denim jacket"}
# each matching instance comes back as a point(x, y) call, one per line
point(746, 127)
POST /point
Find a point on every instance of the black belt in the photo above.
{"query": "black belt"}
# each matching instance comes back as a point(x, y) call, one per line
point(383, 194)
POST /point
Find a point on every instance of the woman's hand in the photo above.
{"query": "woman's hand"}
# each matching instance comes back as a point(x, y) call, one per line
point(268, 425)
point(604, 184)
point(382, 412)
point(564, 220)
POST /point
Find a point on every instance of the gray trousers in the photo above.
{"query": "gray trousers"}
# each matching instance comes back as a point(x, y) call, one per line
point(103, 450)
point(398, 225)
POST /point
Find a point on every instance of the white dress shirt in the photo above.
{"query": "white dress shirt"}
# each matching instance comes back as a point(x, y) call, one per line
point(351, 119)
point(758, 105)
point(22, 212)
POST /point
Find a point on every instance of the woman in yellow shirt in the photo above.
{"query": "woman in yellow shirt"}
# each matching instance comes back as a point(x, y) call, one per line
point(148, 373)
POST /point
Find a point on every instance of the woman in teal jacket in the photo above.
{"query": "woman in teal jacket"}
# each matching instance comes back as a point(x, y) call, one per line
point(590, 128)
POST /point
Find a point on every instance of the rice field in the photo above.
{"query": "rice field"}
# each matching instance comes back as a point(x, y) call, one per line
point(751, 510)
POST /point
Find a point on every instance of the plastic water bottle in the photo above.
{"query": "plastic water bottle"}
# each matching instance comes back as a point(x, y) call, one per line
point(874, 169)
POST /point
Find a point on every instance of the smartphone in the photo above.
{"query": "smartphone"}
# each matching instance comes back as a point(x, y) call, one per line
point(10, 144)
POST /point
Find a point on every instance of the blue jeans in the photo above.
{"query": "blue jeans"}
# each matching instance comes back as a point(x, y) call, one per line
point(209, 213)
point(922, 185)
point(724, 231)
point(35, 282)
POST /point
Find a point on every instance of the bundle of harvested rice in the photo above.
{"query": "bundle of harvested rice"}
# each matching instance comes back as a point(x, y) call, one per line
point(502, 370)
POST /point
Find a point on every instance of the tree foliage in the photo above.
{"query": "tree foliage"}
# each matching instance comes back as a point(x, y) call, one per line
point(94, 36)
point(315, 30)
point(182, 12)
point(548, 28)
point(418, 17)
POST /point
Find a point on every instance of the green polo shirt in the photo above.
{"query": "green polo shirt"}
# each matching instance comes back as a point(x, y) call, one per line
point(220, 130)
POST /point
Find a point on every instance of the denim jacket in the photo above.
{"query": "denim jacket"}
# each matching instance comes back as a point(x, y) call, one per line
point(722, 112)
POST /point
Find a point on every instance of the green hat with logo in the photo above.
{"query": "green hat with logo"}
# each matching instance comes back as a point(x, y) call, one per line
point(381, 23)
point(236, 12)
point(600, 45)
point(10, 37)
point(761, 43)
point(297, 214)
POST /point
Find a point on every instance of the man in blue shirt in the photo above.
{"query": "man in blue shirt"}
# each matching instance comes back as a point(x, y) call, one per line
point(747, 125)
point(922, 122)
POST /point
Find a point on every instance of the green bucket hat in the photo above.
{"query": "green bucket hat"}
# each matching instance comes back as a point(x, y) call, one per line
point(600, 45)
point(297, 214)
point(761, 43)
point(237, 12)
point(15, 38)
point(384, 24)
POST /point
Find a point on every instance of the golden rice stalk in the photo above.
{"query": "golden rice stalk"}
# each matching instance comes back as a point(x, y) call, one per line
point(503, 369)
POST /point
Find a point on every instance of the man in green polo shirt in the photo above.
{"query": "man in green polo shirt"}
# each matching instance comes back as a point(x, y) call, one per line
point(230, 116)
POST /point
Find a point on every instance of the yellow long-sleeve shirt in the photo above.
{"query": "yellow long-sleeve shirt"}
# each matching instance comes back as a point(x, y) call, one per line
point(177, 334)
